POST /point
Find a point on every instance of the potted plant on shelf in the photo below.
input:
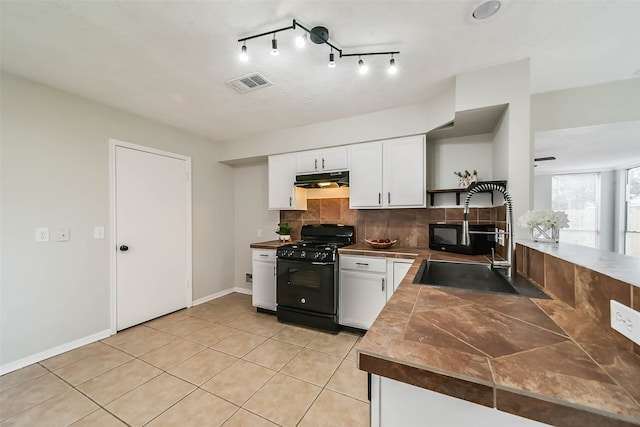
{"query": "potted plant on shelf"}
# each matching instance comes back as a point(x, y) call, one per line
point(284, 231)
point(466, 178)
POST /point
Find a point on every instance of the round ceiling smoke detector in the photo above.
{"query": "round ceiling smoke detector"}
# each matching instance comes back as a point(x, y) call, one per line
point(486, 10)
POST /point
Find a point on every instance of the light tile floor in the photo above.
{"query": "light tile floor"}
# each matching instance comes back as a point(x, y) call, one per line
point(216, 364)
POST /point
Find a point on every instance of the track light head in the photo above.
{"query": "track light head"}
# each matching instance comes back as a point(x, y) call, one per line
point(243, 54)
point(332, 63)
point(274, 46)
point(392, 66)
point(362, 67)
point(301, 41)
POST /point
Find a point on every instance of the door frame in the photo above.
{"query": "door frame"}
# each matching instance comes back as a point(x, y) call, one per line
point(113, 144)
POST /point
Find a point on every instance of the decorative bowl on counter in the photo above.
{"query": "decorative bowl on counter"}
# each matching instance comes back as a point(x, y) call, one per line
point(381, 243)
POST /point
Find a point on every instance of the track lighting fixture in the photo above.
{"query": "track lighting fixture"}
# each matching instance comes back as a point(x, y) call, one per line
point(243, 53)
point(392, 66)
point(318, 35)
point(332, 62)
point(362, 67)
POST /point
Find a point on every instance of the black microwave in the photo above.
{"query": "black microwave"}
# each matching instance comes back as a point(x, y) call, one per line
point(448, 238)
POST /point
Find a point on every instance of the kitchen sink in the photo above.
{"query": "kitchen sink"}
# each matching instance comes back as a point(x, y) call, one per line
point(474, 277)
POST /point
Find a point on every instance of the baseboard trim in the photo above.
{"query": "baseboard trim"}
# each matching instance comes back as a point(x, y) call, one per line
point(243, 290)
point(38, 357)
point(221, 294)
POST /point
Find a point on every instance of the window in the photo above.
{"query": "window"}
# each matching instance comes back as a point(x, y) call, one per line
point(578, 196)
point(632, 230)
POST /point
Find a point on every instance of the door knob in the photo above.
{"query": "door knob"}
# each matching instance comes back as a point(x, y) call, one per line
point(124, 248)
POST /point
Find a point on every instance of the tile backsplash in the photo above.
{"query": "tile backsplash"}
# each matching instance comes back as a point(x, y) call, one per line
point(409, 226)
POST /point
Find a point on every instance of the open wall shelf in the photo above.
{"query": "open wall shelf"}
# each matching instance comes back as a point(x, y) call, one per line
point(459, 191)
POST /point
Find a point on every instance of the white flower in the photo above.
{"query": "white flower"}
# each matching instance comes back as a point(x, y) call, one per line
point(531, 219)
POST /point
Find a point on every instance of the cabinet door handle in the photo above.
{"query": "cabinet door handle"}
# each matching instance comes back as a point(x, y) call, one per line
point(315, 164)
point(290, 200)
point(274, 271)
point(362, 263)
point(389, 197)
point(383, 284)
point(323, 163)
point(264, 255)
point(379, 198)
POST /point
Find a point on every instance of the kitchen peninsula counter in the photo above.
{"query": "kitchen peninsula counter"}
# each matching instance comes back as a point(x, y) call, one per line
point(540, 359)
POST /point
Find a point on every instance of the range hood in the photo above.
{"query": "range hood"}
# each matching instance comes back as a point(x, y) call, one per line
point(323, 180)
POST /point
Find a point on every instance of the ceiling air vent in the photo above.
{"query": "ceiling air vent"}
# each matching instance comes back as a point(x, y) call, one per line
point(249, 82)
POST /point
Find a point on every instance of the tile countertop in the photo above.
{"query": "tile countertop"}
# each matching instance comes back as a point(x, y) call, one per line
point(536, 358)
point(271, 244)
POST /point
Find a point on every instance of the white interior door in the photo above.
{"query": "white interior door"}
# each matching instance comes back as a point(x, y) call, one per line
point(152, 235)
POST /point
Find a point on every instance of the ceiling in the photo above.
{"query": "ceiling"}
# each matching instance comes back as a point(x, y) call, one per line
point(169, 60)
point(588, 149)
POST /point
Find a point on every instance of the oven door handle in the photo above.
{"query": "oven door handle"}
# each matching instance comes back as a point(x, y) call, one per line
point(322, 263)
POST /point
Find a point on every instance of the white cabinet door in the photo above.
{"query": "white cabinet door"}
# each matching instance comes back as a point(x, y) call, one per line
point(307, 162)
point(362, 296)
point(399, 269)
point(400, 404)
point(365, 175)
point(329, 160)
point(334, 159)
point(405, 172)
point(282, 193)
point(264, 279)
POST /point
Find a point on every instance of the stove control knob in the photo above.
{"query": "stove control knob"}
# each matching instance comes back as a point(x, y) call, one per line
point(325, 255)
point(303, 254)
point(317, 255)
point(302, 300)
point(291, 253)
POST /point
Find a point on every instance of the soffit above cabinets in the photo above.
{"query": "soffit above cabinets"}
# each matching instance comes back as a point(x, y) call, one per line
point(470, 122)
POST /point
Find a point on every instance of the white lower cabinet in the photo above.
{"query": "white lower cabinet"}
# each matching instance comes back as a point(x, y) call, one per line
point(264, 278)
point(395, 403)
point(366, 284)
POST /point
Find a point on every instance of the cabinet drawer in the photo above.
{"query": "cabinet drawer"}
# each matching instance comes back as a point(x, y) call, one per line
point(264, 255)
point(372, 264)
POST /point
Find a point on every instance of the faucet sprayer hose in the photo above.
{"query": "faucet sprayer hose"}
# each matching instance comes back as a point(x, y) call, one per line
point(489, 186)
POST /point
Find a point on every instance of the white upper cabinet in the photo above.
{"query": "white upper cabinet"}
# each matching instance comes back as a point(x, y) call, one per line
point(282, 194)
point(365, 175)
point(388, 174)
point(329, 160)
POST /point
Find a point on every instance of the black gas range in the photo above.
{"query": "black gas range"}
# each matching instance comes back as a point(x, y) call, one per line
point(307, 276)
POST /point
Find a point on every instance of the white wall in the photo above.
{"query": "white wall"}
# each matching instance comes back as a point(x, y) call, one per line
point(55, 174)
point(251, 214)
point(409, 120)
point(444, 156)
point(506, 84)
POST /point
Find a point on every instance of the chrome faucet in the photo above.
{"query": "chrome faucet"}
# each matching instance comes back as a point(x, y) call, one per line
point(466, 238)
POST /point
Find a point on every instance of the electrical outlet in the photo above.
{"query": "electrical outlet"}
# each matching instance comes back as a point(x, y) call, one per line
point(626, 321)
point(500, 237)
point(248, 278)
point(42, 234)
point(259, 233)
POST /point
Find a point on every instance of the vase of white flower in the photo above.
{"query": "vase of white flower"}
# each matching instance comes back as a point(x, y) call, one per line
point(544, 226)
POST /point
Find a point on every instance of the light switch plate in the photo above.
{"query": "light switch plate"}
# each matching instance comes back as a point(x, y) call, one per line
point(98, 232)
point(63, 235)
point(626, 321)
